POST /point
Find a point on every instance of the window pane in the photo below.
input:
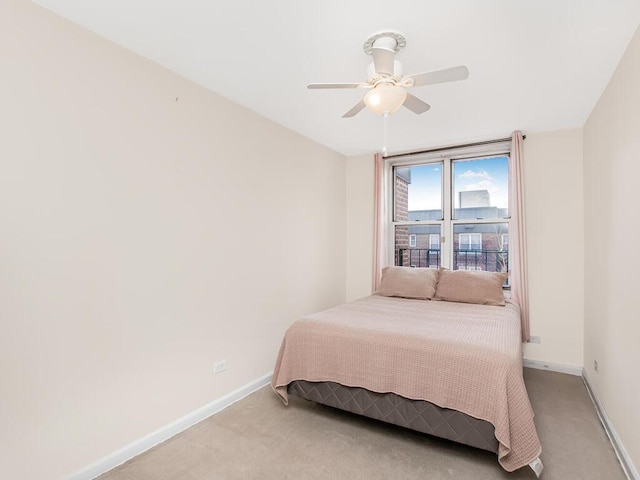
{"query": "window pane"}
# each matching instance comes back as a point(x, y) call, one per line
point(481, 188)
point(418, 192)
point(481, 246)
point(425, 253)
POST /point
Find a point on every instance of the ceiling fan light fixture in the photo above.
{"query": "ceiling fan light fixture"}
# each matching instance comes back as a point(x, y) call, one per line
point(385, 98)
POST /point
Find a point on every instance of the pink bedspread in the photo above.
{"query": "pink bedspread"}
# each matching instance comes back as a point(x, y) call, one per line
point(459, 356)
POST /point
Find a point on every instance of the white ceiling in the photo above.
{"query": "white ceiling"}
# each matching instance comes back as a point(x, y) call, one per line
point(534, 65)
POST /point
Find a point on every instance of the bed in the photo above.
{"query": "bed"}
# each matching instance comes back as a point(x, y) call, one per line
point(448, 369)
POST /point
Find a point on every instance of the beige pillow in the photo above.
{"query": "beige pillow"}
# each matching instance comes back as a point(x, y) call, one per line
point(408, 282)
point(469, 286)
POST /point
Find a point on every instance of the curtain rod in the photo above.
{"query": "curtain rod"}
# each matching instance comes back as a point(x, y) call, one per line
point(440, 149)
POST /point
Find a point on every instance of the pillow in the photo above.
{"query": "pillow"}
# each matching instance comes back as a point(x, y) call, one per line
point(469, 286)
point(408, 282)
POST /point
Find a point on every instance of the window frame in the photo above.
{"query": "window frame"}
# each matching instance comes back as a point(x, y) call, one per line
point(445, 159)
point(414, 243)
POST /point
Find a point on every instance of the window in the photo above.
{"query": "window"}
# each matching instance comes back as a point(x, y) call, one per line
point(470, 241)
point(450, 209)
point(434, 241)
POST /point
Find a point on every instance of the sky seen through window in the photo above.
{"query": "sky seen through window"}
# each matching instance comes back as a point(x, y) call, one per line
point(491, 174)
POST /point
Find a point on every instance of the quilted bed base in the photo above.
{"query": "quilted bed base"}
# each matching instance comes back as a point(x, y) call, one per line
point(416, 415)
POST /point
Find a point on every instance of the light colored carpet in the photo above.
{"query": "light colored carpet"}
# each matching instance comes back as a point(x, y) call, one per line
point(260, 438)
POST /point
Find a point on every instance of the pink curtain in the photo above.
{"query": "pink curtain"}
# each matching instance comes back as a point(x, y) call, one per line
point(379, 220)
point(518, 236)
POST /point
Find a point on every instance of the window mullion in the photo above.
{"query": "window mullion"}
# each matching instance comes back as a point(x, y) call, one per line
point(446, 242)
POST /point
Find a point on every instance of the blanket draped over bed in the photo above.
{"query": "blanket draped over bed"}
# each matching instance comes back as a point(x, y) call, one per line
point(459, 356)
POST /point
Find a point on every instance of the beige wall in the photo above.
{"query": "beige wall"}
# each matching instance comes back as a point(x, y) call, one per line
point(360, 213)
point(612, 256)
point(555, 245)
point(142, 238)
point(555, 237)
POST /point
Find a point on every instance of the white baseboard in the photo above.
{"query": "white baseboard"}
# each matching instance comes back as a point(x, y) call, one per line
point(145, 443)
point(553, 367)
point(626, 462)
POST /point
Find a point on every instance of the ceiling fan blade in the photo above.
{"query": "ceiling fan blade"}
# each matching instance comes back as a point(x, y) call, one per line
point(416, 105)
point(358, 107)
point(440, 76)
point(314, 86)
point(383, 60)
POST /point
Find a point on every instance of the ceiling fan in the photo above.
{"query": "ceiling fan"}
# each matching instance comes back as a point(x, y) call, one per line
point(386, 84)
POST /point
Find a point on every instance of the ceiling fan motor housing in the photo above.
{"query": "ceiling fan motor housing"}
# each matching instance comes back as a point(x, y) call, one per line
point(373, 76)
point(383, 48)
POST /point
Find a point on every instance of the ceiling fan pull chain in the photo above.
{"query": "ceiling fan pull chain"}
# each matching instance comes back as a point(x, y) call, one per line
point(385, 117)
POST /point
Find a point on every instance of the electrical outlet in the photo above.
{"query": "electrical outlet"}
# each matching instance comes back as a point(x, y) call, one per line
point(219, 367)
point(535, 339)
point(595, 365)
